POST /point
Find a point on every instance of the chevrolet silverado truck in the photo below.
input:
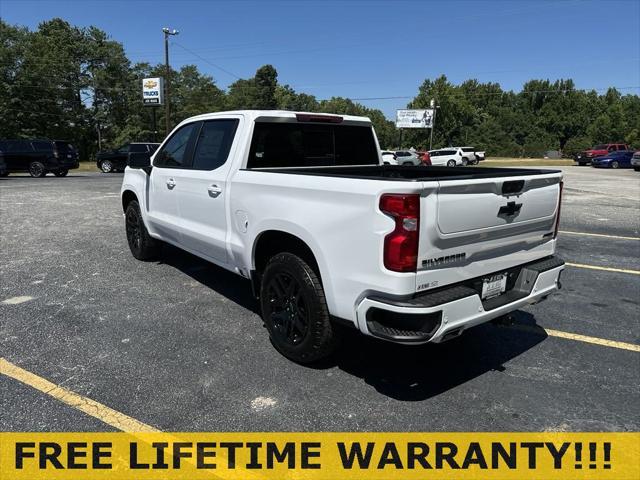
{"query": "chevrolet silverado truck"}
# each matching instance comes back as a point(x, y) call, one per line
point(302, 205)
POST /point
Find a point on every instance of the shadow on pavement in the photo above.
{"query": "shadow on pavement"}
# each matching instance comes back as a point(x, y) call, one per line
point(402, 372)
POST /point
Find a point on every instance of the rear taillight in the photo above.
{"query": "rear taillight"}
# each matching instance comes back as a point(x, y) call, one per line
point(401, 245)
point(555, 232)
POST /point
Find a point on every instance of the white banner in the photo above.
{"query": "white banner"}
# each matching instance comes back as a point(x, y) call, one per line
point(414, 118)
point(152, 91)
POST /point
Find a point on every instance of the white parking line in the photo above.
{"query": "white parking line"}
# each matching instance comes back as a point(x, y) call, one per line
point(617, 237)
point(17, 300)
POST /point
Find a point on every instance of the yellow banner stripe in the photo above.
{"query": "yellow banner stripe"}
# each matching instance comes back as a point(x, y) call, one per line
point(606, 269)
point(617, 237)
point(581, 338)
point(95, 409)
point(320, 456)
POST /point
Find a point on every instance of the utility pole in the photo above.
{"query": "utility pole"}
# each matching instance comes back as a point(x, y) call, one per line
point(167, 82)
point(433, 122)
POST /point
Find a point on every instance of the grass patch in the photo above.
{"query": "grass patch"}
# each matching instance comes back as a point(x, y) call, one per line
point(527, 162)
point(87, 167)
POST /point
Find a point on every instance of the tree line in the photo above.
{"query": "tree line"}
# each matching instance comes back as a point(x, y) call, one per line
point(66, 82)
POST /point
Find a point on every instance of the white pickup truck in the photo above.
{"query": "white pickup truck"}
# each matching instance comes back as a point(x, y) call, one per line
point(302, 206)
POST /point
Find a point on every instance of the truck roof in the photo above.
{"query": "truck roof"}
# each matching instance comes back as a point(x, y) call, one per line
point(255, 114)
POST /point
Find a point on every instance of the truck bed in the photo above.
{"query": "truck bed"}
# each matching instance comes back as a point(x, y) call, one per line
point(407, 173)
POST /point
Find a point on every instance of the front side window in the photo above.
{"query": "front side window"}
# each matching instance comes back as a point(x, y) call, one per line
point(19, 146)
point(173, 152)
point(214, 143)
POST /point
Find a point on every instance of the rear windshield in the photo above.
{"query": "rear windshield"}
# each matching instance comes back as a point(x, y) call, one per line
point(311, 145)
point(64, 146)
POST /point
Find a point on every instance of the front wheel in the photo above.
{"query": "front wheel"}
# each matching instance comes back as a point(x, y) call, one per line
point(37, 169)
point(615, 164)
point(141, 244)
point(295, 311)
point(106, 166)
point(61, 173)
point(451, 163)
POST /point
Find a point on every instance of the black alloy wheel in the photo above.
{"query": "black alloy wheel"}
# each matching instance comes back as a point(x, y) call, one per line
point(141, 244)
point(289, 313)
point(294, 309)
point(37, 169)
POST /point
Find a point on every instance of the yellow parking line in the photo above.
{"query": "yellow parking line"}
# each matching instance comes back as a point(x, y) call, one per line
point(594, 340)
point(606, 269)
point(90, 407)
point(619, 237)
point(579, 338)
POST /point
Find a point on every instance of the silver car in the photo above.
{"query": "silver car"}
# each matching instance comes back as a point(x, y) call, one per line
point(407, 157)
point(635, 161)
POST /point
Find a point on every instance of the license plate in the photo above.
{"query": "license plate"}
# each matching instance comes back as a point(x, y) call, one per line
point(494, 286)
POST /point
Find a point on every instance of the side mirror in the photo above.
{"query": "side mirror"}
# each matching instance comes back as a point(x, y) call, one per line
point(141, 160)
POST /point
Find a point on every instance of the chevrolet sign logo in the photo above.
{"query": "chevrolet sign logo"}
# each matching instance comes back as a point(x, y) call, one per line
point(150, 84)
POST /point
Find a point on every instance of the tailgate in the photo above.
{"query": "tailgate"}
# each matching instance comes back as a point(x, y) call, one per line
point(470, 227)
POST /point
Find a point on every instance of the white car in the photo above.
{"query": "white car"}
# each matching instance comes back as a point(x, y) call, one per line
point(301, 205)
point(407, 157)
point(450, 157)
point(635, 161)
point(471, 156)
point(389, 158)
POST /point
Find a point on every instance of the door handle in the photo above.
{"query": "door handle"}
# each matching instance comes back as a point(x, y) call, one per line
point(214, 191)
point(171, 183)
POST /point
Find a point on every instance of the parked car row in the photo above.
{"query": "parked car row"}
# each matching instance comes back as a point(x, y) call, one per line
point(450, 157)
point(585, 157)
point(617, 159)
point(38, 157)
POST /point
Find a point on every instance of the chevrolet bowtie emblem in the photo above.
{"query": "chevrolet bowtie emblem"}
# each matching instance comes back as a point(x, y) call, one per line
point(511, 208)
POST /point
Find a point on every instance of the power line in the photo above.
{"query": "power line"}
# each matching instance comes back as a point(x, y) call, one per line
point(205, 60)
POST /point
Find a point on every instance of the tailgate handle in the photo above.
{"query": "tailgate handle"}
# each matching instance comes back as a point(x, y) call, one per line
point(515, 186)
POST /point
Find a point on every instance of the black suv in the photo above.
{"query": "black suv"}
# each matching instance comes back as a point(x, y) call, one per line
point(115, 160)
point(39, 157)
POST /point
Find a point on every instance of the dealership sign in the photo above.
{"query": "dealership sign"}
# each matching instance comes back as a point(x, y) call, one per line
point(414, 118)
point(152, 91)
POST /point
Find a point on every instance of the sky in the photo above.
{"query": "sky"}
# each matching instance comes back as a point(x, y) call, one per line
point(371, 49)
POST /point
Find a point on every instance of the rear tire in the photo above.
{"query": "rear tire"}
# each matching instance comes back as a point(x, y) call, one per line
point(61, 173)
point(37, 169)
point(637, 169)
point(451, 163)
point(615, 164)
point(106, 166)
point(465, 162)
point(294, 310)
point(142, 245)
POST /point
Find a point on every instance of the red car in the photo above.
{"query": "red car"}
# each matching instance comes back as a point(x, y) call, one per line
point(599, 150)
point(424, 157)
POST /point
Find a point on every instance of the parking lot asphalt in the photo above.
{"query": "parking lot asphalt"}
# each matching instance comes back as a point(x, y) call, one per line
point(177, 344)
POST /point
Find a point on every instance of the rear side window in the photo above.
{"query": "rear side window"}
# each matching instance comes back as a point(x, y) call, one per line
point(468, 149)
point(138, 148)
point(173, 154)
point(214, 143)
point(64, 146)
point(41, 146)
point(308, 145)
point(19, 146)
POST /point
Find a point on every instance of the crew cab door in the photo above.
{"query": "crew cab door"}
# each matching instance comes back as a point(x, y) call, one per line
point(168, 164)
point(202, 191)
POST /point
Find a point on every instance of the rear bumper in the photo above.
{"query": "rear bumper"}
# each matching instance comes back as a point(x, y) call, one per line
point(443, 314)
